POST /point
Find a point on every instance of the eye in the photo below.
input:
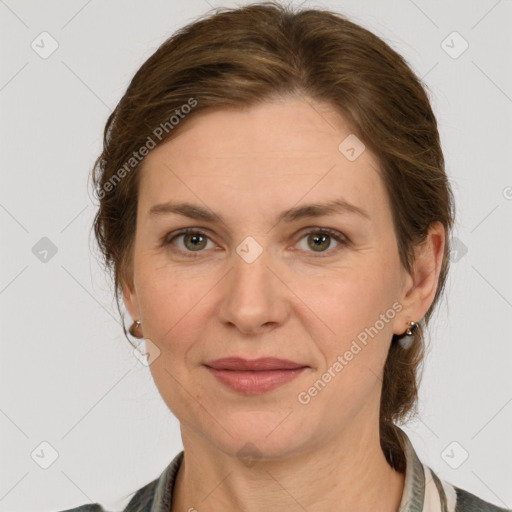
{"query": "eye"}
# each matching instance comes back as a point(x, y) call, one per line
point(319, 238)
point(195, 240)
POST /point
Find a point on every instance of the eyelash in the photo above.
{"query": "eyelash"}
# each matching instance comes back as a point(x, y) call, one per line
point(339, 237)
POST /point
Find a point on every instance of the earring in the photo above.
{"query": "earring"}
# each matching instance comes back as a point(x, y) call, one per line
point(134, 326)
point(410, 329)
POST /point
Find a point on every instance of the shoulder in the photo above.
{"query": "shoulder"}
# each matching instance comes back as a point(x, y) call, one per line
point(424, 485)
point(456, 499)
point(93, 507)
point(468, 502)
point(141, 501)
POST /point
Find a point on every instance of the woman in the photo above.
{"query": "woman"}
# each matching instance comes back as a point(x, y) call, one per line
point(276, 213)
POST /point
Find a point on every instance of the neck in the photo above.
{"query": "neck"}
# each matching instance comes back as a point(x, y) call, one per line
point(348, 473)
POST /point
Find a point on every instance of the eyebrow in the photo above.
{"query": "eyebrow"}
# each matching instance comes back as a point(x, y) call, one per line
point(311, 210)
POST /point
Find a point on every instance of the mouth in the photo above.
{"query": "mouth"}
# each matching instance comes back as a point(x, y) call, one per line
point(254, 377)
point(261, 364)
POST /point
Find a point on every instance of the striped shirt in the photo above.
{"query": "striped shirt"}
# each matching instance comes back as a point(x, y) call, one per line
point(423, 491)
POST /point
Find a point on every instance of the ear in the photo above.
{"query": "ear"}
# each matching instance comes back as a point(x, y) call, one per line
point(130, 298)
point(419, 287)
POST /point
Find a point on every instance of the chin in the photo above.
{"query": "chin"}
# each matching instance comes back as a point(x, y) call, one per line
point(260, 434)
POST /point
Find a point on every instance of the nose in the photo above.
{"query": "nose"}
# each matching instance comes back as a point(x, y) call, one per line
point(254, 298)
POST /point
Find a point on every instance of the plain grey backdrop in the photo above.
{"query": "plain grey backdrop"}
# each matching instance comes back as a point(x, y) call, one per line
point(74, 398)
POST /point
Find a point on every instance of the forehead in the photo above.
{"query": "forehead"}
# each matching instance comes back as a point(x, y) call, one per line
point(273, 154)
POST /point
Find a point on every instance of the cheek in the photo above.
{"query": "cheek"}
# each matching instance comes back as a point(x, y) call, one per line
point(354, 299)
point(168, 295)
point(359, 314)
point(356, 308)
point(173, 311)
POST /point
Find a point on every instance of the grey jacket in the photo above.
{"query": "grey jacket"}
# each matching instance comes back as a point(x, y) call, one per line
point(424, 491)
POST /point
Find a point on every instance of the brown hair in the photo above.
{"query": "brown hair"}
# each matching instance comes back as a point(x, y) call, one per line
point(238, 57)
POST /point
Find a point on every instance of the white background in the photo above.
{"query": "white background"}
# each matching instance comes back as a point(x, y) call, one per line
point(68, 376)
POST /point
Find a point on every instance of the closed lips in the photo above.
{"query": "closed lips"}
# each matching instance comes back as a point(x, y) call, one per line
point(262, 364)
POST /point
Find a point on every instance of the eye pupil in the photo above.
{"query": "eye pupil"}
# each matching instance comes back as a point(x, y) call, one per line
point(195, 237)
point(321, 238)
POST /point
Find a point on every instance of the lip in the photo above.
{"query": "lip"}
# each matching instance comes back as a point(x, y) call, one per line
point(261, 364)
point(255, 382)
point(254, 377)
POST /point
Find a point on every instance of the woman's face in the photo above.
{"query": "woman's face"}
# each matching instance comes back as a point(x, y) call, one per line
point(261, 285)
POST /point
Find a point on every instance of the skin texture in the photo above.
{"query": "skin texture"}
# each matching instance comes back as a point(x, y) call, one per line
point(295, 301)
